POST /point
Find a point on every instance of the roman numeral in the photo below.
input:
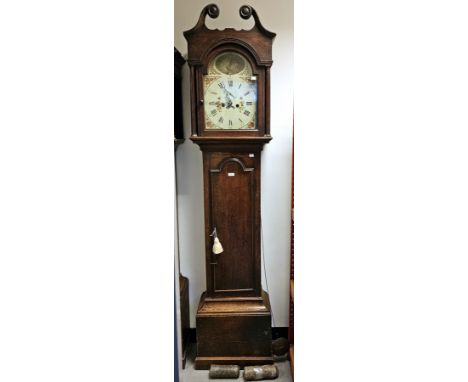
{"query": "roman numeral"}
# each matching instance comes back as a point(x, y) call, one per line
point(221, 120)
point(214, 93)
point(239, 86)
point(221, 85)
point(213, 112)
point(246, 94)
point(241, 121)
point(230, 123)
point(246, 112)
point(212, 103)
point(249, 103)
point(230, 83)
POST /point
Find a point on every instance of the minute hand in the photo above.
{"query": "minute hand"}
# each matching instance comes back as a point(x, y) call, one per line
point(228, 92)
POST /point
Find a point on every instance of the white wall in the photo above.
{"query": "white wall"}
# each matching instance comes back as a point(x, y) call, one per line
point(276, 156)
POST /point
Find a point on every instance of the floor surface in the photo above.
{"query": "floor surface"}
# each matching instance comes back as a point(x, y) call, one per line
point(189, 374)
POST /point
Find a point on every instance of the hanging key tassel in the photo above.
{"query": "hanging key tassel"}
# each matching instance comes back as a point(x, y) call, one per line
point(217, 247)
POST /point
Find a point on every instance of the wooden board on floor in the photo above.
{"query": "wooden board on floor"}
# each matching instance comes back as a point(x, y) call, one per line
point(291, 359)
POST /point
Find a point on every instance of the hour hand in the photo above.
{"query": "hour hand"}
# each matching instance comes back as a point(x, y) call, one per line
point(228, 101)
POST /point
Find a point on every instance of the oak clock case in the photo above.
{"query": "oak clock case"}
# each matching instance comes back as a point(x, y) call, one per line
point(230, 115)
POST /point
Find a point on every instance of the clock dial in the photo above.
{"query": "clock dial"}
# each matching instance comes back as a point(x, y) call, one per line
point(230, 92)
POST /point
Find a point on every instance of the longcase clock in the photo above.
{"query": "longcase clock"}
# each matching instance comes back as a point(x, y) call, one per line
point(230, 109)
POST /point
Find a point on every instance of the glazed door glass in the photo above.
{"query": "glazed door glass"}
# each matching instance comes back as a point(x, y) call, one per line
point(230, 94)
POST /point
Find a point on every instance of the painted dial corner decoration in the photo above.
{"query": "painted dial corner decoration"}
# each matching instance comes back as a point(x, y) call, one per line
point(230, 92)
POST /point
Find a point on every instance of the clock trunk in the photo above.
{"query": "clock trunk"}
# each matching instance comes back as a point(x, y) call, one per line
point(232, 206)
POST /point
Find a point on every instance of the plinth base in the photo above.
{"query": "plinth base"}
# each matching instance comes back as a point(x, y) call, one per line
point(233, 332)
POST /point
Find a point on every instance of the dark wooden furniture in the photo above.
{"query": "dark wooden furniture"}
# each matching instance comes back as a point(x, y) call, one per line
point(230, 110)
point(184, 315)
point(179, 61)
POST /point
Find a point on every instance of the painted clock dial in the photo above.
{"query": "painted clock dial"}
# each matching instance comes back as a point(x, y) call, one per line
point(230, 93)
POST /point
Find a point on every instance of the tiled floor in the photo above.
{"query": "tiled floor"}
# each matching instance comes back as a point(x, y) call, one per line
point(189, 374)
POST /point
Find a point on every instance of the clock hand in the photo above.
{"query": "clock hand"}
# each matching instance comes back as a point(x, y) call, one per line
point(228, 102)
point(228, 92)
